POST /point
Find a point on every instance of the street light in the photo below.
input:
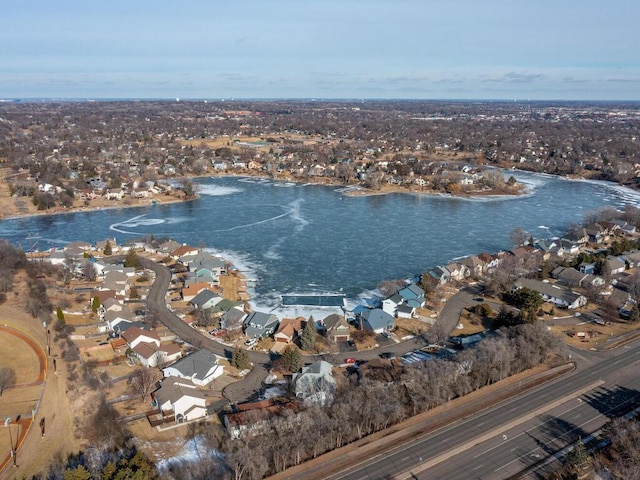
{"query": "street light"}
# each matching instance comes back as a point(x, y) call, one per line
point(7, 423)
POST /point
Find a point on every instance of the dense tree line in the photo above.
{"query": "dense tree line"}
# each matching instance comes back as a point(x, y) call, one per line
point(65, 144)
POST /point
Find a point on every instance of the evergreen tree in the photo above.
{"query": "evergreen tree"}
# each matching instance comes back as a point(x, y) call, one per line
point(95, 304)
point(78, 473)
point(131, 259)
point(308, 338)
point(107, 248)
point(578, 457)
point(291, 358)
point(240, 359)
point(60, 314)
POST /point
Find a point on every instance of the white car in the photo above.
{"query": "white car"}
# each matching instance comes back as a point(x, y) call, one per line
point(251, 342)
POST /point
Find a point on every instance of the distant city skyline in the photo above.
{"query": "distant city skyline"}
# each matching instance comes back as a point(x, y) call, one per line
point(403, 49)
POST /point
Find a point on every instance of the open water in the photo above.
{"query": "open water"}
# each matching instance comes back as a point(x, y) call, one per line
point(302, 239)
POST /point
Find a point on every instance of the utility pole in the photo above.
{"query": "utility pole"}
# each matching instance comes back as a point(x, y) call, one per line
point(7, 423)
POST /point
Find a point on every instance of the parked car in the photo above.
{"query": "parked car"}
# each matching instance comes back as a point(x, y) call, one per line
point(388, 355)
point(349, 360)
point(251, 342)
point(216, 332)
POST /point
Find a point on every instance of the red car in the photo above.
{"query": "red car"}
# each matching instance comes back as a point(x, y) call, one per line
point(349, 360)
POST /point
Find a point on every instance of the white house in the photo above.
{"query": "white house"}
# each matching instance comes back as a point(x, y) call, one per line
point(134, 335)
point(201, 367)
point(180, 396)
point(152, 355)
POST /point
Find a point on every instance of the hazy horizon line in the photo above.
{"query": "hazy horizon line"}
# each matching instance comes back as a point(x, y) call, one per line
point(298, 99)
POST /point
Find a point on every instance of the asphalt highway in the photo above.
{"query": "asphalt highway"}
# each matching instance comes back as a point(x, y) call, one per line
point(486, 454)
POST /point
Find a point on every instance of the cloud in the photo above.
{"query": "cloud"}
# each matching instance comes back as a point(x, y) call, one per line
point(575, 80)
point(515, 77)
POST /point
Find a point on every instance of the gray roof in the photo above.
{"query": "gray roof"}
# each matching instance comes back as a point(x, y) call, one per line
point(173, 389)
point(405, 308)
point(259, 324)
point(233, 318)
point(569, 276)
point(549, 290)
point(196, 364)
point(377, 319)
point(317, 376)
point(201, 298)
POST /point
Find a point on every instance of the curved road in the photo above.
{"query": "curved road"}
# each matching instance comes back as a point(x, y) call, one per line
point(244, 389)
point(235, 392)
point(239, 391)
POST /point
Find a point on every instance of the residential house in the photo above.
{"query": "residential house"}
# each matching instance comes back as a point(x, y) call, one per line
point(390, 304)
point(183, 250)
point(439, 274)
point(233, 319)
point(203, 276)
point(110, 284)
point(413, 295)
point(118, 277)
point(573, 278)
point(97, 265)
point(474, 265)
point(152, 355)
point(597, 233)
point(204, 300)
point(288, 330)
point(577, 235)
point(102, 295)
point(199, 260)
point(188, 293)
point(315, 383)
point(115, 248)
point(614, 265)
point(115, 194)
point(405, 311)
point(77, 250)
point(588, 268)
point(625, 227)
point(337, 328)
point(136, 335)
point(568, 276)
point(633, 259)
point(568, 248)
point(554, 293)
point(457, 271)
point(260, 325)
point(109, 268)
point(201, 367)
point(113, 317)
point(490, 261)
point(224, 306)
point(377, 320)
point(181, 398)
point(168, 247)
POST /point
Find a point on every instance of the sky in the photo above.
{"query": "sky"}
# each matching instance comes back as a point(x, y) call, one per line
point(355, 49)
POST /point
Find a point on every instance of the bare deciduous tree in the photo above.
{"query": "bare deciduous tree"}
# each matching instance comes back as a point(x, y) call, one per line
point(7, 378)
point(143, 381)
point(89, 271)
